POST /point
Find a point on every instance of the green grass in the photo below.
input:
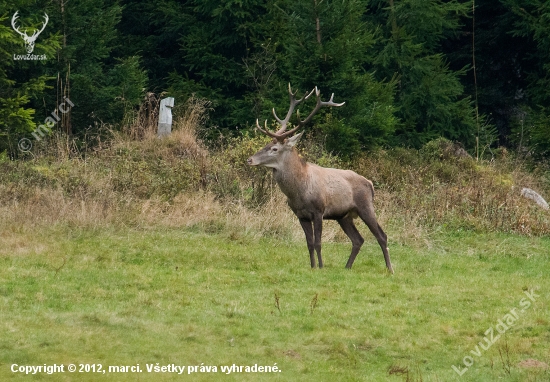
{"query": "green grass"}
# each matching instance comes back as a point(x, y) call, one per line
point(129, 296)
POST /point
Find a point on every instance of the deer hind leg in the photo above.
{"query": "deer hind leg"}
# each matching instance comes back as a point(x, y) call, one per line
point(367, 215)
point(308, 230)
point(356, 239)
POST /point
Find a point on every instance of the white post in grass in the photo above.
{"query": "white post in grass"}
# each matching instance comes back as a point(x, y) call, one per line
point(165, 116)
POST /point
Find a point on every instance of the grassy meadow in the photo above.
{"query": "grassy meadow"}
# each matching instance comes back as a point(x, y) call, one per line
point(160, 252)
point(133, 296)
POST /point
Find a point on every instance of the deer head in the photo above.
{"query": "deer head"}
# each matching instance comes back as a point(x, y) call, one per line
point(270, 154)
point(29, 40)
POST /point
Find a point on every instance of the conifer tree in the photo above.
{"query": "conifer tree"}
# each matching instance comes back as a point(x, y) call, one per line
point(328, 44)
point(533, 121)
point(102, 85)
point(430, 97)
point(21, 81)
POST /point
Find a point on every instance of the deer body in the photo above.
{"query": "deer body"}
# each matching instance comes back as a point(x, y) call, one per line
point(312, 188)
point(317, 193)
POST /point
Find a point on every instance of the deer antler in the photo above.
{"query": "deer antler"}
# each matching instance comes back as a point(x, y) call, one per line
point(46, 19)
point(13, 19)
point(293, 103)
point(266, 131)
point(29, 40)
point(320, 104)
point(281, 134)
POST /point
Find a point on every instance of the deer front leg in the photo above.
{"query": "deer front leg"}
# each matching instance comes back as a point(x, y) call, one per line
point(318, 230)
point(308, 230)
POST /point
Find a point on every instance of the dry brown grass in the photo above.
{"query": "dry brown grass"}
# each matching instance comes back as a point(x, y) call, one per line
point(456, 193)
point(133, 178)
point(114, 185)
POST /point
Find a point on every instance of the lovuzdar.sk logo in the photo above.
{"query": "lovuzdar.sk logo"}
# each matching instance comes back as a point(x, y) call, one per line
point(29, 40)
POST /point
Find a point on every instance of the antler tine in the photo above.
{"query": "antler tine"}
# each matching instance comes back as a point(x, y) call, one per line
point(278, 136)
point(293, 103)
point(266, 131)
point(13, 20)
point(290, 110)
point(37, 32)
point(330, 102)
point(318, 106)
point(46, 19)
point(314, 90)
point(281, 134)
point(281, 137)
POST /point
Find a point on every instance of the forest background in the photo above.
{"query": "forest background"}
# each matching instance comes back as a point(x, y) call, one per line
point(409, 71)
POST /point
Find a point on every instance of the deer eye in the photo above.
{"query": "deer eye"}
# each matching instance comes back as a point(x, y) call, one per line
point(274, 149)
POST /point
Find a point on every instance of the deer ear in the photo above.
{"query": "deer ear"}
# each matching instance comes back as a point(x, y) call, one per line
point(295, 139)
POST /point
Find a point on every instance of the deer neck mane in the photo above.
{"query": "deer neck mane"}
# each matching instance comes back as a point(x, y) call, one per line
point(291, 176)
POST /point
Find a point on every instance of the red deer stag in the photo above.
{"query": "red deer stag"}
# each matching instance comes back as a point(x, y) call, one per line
point(315, 193)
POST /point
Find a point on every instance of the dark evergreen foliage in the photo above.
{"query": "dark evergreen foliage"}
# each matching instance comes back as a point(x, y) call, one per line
point(405, 68)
